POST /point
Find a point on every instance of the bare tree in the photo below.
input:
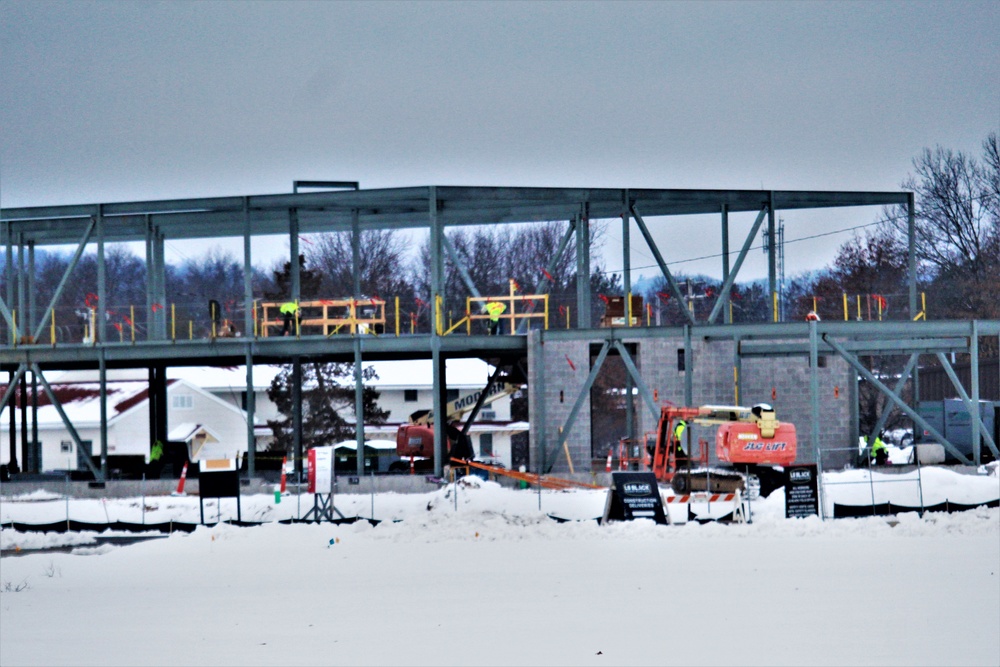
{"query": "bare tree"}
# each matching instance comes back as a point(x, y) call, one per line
point(957, 227)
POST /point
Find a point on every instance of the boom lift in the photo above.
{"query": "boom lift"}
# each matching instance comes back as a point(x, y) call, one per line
point(416, 439)
point(750, 440)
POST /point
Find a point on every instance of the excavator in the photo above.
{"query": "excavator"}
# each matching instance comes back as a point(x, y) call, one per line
point(749, 443)
point(415, 440)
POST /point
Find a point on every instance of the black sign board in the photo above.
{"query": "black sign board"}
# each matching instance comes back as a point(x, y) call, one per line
point(219, 484)
point(801, 491)
point(222, 484)
point(634, 495)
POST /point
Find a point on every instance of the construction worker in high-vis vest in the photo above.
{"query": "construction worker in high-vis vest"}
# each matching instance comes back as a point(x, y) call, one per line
point(288, 310)
point(880, 453)
point(678, 435)
point(495, 309)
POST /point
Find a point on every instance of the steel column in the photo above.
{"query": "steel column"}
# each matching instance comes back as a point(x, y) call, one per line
point(583, 296)
point(100, 322)
point(772, 255)
point(971, 405)
point(359, 408)
point(727, 285)
point(103, 373)
point(911, 253)
point(251, 408)
point(724, 296)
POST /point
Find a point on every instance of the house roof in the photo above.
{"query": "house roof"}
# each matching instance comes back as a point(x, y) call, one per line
point(81, 401)
point(408, 374)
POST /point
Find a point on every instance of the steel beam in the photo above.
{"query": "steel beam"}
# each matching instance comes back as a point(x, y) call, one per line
point(69, 425)
point(972, 405)
point(636, 377)
point(730, 278)
point(864, 372)
point(896, 391)
point(81, 246)
point(641, 224)
point(578, 404)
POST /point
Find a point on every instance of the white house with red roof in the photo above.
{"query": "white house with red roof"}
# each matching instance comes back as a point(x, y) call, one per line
point(127, 419)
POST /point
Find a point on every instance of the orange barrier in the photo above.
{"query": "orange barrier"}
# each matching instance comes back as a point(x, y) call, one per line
point(529, 477)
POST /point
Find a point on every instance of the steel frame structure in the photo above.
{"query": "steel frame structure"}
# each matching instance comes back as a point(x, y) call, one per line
point(434, 208)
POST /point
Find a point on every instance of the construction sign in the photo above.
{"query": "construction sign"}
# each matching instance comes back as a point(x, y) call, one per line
point(634, 495)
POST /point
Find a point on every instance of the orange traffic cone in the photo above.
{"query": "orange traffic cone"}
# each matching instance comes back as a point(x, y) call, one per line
point(180, 484)
point(284, 481)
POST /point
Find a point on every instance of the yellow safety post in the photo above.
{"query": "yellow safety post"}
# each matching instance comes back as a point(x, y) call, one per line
point(774, 305)
point(131, 310)
point(879, 300)
point(736, 386)
point(845, 306)
point(468, 316)
point(546, 312)
point(438, 323)
point(859, 307)
point(628, 309)
point(213, 320)
point(397, 316)
point(190, 329)
point(814, 304)
point(173, 322)
point(567, 317)
point(513, 328)
point(52, 330)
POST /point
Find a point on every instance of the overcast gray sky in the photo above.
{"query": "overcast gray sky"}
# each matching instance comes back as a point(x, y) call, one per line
point(120, 101)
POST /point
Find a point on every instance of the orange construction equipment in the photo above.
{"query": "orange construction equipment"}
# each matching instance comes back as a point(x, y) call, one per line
point(751, 440)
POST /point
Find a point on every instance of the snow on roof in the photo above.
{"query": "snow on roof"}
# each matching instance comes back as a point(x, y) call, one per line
point(81, 401)
point(374, 444)
point(409, 374)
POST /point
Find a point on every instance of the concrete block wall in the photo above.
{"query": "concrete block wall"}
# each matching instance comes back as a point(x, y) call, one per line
point(560, 371)
point(713, 382)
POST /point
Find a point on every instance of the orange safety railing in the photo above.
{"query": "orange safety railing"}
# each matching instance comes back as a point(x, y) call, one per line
point(329, 316)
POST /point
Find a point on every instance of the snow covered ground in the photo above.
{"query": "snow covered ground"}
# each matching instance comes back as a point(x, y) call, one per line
point(496, 581)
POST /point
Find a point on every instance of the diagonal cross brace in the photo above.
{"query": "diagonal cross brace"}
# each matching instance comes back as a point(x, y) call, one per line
point(584, 393)
point(62, 283)
point(884, 417)
point(964, 395)
point(910, 412)
point(647, 395)
point(12, 387)
point(731, 278)
point(7, 315)
point(462, 271)
point(663, 265)
point(544, 283)
point(69, 425)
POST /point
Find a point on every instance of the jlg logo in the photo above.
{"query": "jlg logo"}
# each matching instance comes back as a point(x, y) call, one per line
point(765, 447)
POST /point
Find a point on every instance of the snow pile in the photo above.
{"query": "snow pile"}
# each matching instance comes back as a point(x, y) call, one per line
point(491, 579)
